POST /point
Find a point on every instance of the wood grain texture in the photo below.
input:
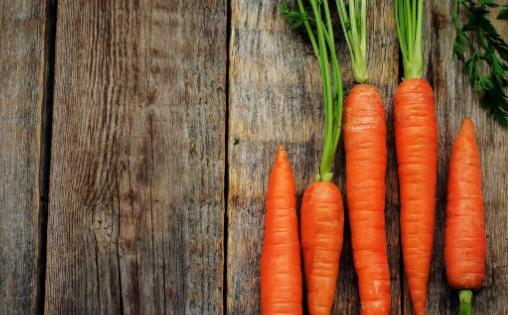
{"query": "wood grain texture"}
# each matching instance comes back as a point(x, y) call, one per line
point(137, 186)
point(137, 171)
point(456, 100)
point(275, 97)
point(22, 68)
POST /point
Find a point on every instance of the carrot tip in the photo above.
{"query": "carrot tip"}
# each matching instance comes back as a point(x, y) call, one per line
point(281, 154)
point(468, 122)
point(467, 129)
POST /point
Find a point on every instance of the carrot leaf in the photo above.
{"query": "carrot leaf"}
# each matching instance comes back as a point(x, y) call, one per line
point(503, 15)
point(294, 17)
point(484, 54)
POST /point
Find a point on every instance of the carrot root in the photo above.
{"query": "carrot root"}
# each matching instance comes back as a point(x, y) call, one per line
point(465, 243)
point(365, 144)
point(281, 277)
point(322, 224)
point(416, 144)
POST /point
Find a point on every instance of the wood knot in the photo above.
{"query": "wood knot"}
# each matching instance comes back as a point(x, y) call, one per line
point(438, 21)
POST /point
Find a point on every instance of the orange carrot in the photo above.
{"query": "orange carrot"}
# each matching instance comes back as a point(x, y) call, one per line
point(465, 247)
point(281, 275)
point(365, 144)
point(322, 217)
point(322, 223)
point(416, 145)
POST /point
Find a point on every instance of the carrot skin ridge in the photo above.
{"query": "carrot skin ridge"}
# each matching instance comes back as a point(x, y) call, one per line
point(322, 228)
point(366, 159)
point(465, 243)
point(281, 277)
point(416, 146)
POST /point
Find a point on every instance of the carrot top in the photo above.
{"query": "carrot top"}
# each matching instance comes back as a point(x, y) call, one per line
point(354, 25)
point(316, 18)
point(409, 19)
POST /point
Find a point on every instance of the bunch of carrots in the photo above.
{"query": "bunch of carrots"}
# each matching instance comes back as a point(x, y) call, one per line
point(320, 234)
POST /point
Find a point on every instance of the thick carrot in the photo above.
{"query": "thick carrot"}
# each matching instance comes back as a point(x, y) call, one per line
point(465, 247)
point(322, 223)
point(416, 145)
point(365, 144)
point(281, 275)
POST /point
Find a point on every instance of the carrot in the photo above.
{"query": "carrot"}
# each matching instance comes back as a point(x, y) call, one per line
point(322, 224)
point(322, 217)
point(416, 146)
point(465, 247)
point(365, 144)
point(281, 275)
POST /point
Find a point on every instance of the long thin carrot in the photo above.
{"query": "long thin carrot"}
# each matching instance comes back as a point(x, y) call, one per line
point(416, 145)
point(465, 247)
point(322, 217)
point(281, 275)
point(365, 144)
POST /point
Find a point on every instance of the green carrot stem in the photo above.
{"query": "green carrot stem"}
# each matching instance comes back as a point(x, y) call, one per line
point(336, 100)
point(319, 28)
point(354, 25)
point(325, 166)
point(308, 28)
point(466, 302)
point(409, 20)
point(331, 45)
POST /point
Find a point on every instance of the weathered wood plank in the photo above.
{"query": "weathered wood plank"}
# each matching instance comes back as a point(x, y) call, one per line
point(275, 97)
point(455, 100)
point(137, 169)
point(22, 68)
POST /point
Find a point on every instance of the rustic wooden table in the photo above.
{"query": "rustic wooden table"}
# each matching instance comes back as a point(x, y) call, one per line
point(136, 139)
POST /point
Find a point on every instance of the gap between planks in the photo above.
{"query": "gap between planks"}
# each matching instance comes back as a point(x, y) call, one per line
point(45, 147)
point(225, 228)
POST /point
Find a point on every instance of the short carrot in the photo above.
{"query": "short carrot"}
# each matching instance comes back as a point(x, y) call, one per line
point(465, 247)
point(281, 275)
point(365, 144)
point(416, 146)
point(322, 224)
point(322, 217)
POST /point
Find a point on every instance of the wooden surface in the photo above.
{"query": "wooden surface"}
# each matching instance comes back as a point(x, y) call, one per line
point(158, 122)
point(137, 169)
point(22, 80)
